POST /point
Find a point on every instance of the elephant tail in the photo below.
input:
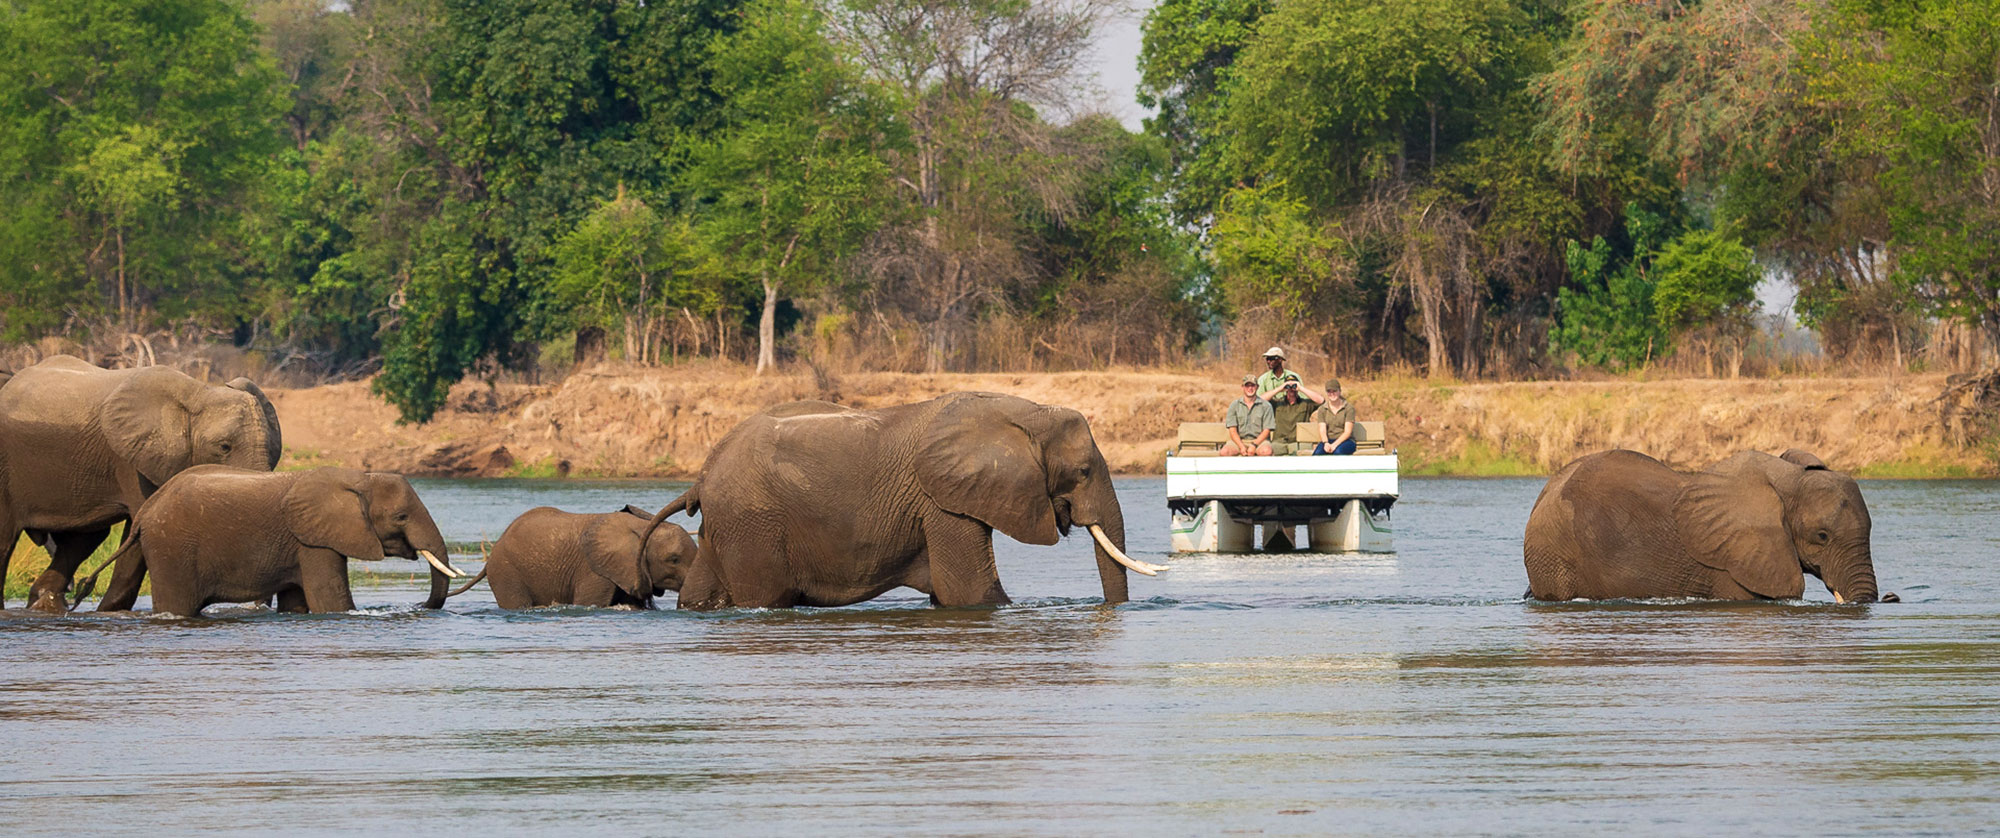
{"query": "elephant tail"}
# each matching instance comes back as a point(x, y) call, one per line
point(467, 586)
point(132, 565)
point(689, 501)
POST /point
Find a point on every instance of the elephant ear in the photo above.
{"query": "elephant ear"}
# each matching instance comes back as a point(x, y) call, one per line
point(611, 547)
point(633, 510)
point(146, 421)
point(329, 508)
point(1736, 523)
point(1803, 459)
point(977, 461)
point(274, 443)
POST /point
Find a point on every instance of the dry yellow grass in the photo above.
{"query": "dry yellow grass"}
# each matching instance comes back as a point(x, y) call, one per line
point(612, 420)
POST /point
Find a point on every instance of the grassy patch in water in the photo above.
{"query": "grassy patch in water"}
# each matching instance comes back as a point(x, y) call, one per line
point(1478, 459)
point(29, 560)
point(1929, 461)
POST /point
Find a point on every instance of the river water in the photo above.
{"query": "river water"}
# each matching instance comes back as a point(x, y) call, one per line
point(1412, 692)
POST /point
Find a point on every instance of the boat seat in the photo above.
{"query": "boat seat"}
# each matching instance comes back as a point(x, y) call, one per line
point(1201, 439)
point(1368, 438)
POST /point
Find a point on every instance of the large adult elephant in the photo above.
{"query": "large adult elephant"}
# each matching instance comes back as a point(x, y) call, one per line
point(1619, 524)
point(219, 534)
point(82, 447)
point(812, 503)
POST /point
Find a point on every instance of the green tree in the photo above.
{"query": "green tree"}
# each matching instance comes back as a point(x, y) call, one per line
point(791, 181)
point(627, 268)
point(132, 136)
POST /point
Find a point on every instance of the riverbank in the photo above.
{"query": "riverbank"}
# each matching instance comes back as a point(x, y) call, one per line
point(618, 421)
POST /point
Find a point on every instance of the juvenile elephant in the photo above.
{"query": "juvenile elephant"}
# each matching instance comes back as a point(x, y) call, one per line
point(812, 503)
point(82, 447)
point(1619, 524)
point(219, 534)
point(551, 557)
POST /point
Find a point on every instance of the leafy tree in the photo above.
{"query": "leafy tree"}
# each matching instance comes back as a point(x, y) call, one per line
point(131, 135)
point(627, 268)
point(1701, 278)
point(792, 179)
point(1609, 319)
point(1271, 251)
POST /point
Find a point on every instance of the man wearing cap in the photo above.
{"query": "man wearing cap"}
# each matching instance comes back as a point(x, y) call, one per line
point(1248, 424)
point(1336, 418)
point(1294, 403)
point(1273, 378)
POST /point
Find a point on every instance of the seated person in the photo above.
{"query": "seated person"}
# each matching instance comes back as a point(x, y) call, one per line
point(1248, 424)
point(1294, 403)
point(1336, 418)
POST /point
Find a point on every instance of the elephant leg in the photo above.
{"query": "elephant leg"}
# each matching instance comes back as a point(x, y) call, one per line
point(126, 578)
point(13, 533)
point(703, 589)
point(292, 601)
point(51, 590)
point(961, 559)
point(323, 575)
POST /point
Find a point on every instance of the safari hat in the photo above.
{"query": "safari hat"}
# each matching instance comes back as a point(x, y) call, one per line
point(1250, 379)
point(1275, 352)
point(1290, 376)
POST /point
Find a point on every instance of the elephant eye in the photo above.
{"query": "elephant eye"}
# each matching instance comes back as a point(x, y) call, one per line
point(1822, 537)
point(225, 448)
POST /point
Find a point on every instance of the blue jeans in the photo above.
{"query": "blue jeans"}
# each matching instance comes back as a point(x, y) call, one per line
point(1346, 446)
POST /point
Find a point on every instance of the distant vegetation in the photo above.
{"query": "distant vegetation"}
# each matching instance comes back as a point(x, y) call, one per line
point(1467, 188)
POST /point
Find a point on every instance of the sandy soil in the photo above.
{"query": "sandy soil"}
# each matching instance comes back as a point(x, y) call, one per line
point(613, 420)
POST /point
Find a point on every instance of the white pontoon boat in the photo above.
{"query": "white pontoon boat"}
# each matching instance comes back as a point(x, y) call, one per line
point(1219, 502)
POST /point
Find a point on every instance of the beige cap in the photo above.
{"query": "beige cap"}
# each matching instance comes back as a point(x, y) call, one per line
point(1250, 379)
point(1275, 352)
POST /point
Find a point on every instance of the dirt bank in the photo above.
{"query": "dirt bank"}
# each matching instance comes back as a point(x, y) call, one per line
point(623, 421)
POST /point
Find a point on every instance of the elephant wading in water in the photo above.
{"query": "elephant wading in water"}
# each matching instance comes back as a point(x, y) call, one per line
point(1620, 525)
point(81, 448)
point(551, 557)
point(219, 534)
point(812, 503)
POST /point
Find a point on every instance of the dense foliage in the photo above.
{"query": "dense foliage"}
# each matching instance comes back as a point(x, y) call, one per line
point(428, 188)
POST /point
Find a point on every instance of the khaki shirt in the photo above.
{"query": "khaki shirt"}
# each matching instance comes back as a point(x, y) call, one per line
point(1288, 417)
point(1335, 418)
point(1269, 380)
point(1248, 421)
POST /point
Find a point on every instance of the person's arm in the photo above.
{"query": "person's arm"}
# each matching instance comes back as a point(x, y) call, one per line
point(1311, 395)
point(1273, 392)
point(1346, 432)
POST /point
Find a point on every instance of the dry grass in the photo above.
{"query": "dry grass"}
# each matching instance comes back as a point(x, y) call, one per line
point(611, 420)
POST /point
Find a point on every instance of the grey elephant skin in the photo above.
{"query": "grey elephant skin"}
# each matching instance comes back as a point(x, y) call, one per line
point(81, 448)
point(1619, 524)
point(813, 503)
point(551, 557)
point(219, 534)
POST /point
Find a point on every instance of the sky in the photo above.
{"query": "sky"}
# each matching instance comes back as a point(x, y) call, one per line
point(1116, 59)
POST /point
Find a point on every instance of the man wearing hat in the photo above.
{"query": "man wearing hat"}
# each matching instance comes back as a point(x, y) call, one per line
point(1293, 404)
point(1248, 424)
point(1273, 378)
point(1336, 418)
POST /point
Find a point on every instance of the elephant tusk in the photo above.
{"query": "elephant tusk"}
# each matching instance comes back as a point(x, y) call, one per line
point(443, 568)
point(1119, 556)
point(1838, 598)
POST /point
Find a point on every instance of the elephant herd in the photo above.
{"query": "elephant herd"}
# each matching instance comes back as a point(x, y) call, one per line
point(804, 504)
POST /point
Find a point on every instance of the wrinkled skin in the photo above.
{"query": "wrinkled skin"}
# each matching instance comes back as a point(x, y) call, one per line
point(219, 534)
point(81, 448)
point(551, 557)
point(812, 503)
point(1619, 524)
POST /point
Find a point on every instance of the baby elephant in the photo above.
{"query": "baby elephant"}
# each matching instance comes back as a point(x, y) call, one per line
point(551, 557)
point(220, 534)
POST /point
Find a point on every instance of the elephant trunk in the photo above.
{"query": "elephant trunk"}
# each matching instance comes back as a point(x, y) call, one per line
point(1109, 571)
point(427, 538)
point(1858, 584)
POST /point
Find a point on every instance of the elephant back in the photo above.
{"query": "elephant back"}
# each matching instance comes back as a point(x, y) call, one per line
point(1596, 522)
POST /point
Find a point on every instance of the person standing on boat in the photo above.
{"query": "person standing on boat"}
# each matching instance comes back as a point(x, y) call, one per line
point(1336, 421)
point(1248, 423)
point(1273, 378)
point(1295, 404)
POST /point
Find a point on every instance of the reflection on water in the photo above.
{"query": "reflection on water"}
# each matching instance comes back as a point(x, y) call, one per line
point(1281, 694)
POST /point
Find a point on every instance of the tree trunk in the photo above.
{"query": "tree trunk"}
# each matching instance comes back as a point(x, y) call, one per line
point(767, 329)
point(589, 346)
